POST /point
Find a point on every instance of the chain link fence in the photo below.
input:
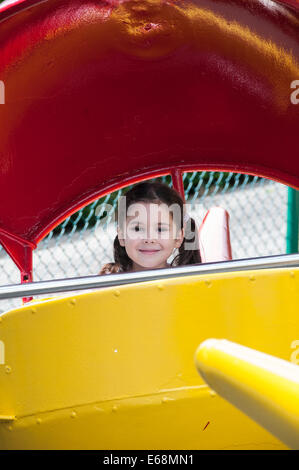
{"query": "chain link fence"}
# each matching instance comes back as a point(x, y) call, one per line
point(84, 241)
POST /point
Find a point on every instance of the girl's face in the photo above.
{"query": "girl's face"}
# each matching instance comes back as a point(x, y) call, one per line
point(150, 235)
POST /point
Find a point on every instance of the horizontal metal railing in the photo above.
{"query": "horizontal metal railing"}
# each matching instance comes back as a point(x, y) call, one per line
point(112, 280)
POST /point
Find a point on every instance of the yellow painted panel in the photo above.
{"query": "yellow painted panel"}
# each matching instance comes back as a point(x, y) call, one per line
point(136, 341)
point(185, 418)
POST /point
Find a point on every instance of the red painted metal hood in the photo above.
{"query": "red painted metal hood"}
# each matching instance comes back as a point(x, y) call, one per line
point(102, 93)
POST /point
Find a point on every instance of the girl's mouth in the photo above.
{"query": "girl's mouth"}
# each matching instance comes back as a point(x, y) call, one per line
point(148, 252)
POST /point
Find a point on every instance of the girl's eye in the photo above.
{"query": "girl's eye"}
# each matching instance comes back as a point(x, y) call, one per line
point(135, 228)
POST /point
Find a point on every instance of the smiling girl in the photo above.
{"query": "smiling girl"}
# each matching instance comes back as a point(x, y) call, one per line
point(152, 224)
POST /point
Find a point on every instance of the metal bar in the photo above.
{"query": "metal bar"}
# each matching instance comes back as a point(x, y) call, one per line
point(112, 280)
point(177, 181)
point(264, 387)
point(292, 221)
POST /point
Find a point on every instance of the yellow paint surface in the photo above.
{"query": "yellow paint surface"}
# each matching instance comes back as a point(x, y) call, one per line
point(114, 368)
point(264, 387)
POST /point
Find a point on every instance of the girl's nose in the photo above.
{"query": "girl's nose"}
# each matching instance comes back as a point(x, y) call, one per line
point(150, 237)
point(149, 240)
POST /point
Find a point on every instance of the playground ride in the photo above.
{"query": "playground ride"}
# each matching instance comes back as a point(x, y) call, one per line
point(100, 95)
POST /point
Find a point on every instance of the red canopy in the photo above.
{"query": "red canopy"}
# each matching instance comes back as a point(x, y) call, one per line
point(99, 94)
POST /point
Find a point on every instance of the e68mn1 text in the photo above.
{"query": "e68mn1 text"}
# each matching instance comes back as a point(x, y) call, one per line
point(176, 459)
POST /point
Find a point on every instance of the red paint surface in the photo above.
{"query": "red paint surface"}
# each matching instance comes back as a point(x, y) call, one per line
point(100, 94)
point(177, 182)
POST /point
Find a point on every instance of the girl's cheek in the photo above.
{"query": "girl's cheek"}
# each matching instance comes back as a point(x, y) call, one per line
point(133, 237)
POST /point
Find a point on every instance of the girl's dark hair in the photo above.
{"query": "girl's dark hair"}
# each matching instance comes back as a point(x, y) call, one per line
point(158, 193)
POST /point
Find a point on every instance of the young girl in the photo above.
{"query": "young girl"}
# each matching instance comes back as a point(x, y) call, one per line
point(151, 225)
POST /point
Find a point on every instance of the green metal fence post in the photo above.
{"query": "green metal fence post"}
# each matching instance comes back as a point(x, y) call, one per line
point(292, 221)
